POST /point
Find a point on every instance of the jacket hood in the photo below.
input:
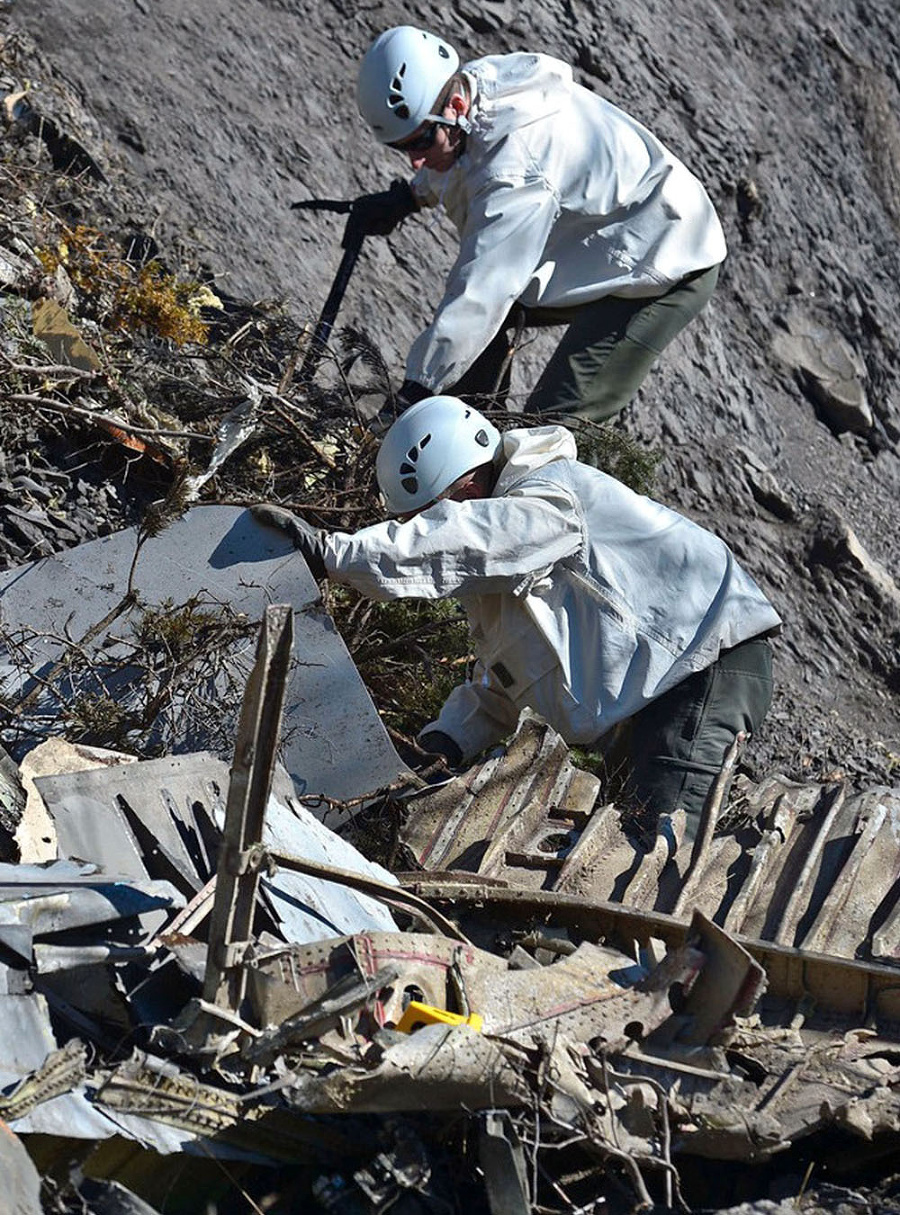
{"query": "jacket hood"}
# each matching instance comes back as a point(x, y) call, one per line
point(523, 451)
point(512, 91)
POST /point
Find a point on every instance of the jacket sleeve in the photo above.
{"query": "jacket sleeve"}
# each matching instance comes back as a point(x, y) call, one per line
point(478, 547)
point(477, 714)
point(501, 246)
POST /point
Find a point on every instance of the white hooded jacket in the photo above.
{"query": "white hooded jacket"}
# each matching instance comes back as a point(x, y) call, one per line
point(560, 199)
point(585, 600)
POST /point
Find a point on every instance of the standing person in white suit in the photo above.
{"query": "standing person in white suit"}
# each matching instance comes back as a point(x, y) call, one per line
point(569, 212)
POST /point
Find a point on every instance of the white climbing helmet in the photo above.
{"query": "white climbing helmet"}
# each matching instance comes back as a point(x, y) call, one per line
point(428, 447)
point(400, 79)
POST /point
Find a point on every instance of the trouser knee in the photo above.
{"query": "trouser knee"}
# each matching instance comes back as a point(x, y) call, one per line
point(679, 742)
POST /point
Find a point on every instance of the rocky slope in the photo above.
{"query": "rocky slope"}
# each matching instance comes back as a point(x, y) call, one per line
point(777, 414)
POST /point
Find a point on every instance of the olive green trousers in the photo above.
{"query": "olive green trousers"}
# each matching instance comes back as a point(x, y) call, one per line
point(676, 746)
point(606, 351)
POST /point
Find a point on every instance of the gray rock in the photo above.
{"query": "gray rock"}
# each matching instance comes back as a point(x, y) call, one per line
point(768, 493)
point(24, 484)
point(830, 371)
point(15, 270)
point(837, 546)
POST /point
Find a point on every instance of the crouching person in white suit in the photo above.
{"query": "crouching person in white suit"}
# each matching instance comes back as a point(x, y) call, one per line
point(588, 603)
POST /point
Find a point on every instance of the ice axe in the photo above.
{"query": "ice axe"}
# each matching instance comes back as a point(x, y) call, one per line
point(351, 243)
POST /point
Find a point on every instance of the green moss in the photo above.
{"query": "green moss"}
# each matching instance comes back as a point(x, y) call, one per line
point(96, 719)
point(126, 297)
point(615, 452)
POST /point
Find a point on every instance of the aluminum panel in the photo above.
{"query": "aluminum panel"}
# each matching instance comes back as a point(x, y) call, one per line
point(334, 742)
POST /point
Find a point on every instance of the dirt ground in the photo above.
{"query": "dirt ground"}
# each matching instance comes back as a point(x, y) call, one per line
point(223, 114)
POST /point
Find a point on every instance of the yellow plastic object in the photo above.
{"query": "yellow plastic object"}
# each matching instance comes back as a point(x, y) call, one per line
point(416, 1015)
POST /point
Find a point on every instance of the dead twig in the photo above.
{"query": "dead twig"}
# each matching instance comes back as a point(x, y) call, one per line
point(45, 681)
point(304, 435)
point(665, 1137)
point(93, 415)
point(41, 371)
point(376, 651)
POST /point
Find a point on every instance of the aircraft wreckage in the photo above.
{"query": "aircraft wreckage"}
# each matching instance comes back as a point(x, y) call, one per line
point(540, 1013)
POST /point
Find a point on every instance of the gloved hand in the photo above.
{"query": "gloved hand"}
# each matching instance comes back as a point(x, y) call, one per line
point(379, 214)
point(309, 540)
point(438, 743)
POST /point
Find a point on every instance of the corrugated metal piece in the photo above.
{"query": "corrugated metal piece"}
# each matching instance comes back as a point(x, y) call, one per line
point(144, 1093)
point(870, 873)
point(751, 896)
point(599, 854)
point(439, 1067)
point(792, 806)
point(285, 981)
point(76, 1116)
point(816, 848)
point(511, 814)
point(586, 997)
point(28, 1044)
point(812, 867)
point(334, 741)
point(860, 991)
point(169, 805)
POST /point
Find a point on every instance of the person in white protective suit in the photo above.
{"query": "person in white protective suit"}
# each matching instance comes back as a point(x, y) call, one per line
point(588, 603)
point(569, 212)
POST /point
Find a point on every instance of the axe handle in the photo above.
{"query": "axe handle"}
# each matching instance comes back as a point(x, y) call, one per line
point(352, 243)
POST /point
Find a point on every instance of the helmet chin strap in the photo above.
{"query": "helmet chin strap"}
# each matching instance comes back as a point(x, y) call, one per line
point(465, 128)
point(460, 121)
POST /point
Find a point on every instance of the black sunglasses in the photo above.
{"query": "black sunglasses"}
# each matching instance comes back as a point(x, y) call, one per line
point(421, 143)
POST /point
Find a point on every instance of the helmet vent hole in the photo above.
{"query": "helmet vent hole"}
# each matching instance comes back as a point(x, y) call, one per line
point(423, 442)
point(410, 484)
point(396, 100)
point(481, 439)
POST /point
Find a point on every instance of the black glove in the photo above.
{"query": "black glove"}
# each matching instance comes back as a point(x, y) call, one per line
point(379, 214)
point(435, 742)
point(309, 540)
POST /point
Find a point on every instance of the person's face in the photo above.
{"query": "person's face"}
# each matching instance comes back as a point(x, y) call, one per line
point(474, 484)
point(433, 145)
